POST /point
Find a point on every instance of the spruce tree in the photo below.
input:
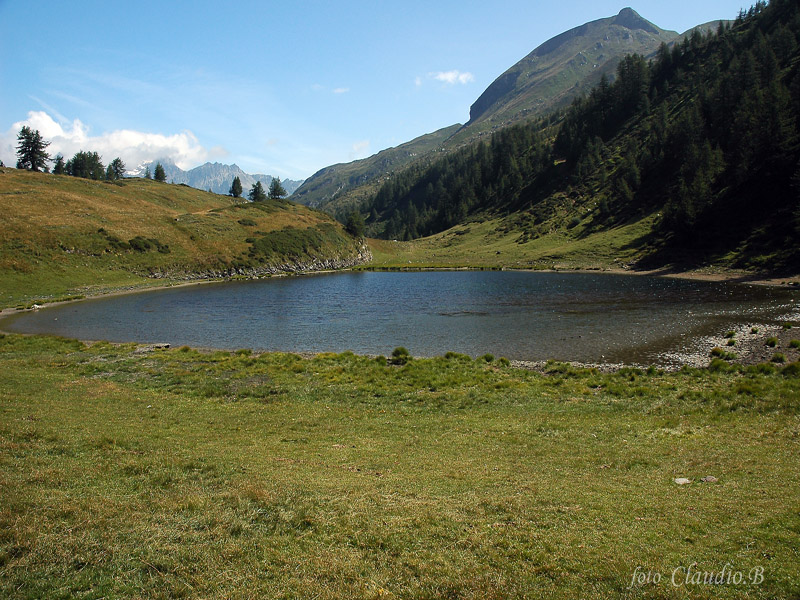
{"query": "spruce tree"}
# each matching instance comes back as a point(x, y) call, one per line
point(236, 188)
point(159, 174)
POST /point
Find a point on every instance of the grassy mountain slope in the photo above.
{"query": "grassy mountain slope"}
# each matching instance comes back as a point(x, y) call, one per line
point(65, 235)
point(701, 145)
point(331, 188)
point(562, 68)
point(548, 78)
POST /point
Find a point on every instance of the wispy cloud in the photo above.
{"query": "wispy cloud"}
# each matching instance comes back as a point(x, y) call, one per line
point(321, 88)
point(452, 77)
point(134, 147)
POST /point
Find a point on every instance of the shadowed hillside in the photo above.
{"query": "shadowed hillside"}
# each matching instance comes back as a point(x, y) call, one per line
point(699, 147)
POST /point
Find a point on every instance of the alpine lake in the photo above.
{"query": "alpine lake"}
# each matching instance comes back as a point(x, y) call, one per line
point(529, 316)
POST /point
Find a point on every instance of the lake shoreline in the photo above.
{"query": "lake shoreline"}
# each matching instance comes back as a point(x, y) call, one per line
point(764, 279)
point(751, 347)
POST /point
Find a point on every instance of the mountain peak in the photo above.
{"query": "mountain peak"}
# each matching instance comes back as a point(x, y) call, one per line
point(566, 65)
point(630, 19)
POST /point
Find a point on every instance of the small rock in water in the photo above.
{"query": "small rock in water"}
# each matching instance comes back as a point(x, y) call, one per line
point(709, 479)
point(682, 481)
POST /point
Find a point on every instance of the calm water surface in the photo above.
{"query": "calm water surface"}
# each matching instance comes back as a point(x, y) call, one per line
point(527, 316)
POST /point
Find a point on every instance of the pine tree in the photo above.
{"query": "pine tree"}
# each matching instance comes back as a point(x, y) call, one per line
point(257, 193)
point(159, 174)
point(276, 189)
point(236, 188)
point(118, 168)
point(59, 168)
point(31, 153)
point(87, 165)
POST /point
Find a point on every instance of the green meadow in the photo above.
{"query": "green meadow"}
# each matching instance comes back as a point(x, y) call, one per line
point(128, 471)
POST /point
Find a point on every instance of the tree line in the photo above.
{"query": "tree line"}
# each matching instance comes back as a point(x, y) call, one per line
point(32, 155)
point(707, 132)
point(426, 199)
point(257, 193)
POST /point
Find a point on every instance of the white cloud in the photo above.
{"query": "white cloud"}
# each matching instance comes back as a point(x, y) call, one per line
point(418, 81)
point(133, 147)
point(341, 90)
point(452, 77)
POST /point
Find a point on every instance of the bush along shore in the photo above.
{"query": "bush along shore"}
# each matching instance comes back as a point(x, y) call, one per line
point(133, 470)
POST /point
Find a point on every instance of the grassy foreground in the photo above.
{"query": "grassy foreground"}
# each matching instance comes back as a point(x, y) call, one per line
point(132, 472)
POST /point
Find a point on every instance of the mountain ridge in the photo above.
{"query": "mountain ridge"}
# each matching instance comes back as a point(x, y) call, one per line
point(215, 177)
point(565, 64)
point(514, 96)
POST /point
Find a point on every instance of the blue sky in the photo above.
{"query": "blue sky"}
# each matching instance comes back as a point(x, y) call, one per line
point(277, 87)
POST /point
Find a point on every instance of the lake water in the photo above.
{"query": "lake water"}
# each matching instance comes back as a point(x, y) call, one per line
point(519, 315)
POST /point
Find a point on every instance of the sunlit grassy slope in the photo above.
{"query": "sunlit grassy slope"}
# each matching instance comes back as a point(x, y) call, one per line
point(63, 235)
point(157, 474)
point(493, 243)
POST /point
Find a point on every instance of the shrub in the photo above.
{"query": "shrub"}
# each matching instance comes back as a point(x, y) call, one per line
point(730, 334)
point(140, 244)
point(762, 369)
point(791, 370)
point(794, 344)
point(778, 358)
point(787, 325)
point(754, 330)
point(719, 353)
point(487, 357)
point(772, 342)
point(718, 365)
point(381, 360)
point(400, 356)
point(731, 342)
point(503, 362)
point(247, 222)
